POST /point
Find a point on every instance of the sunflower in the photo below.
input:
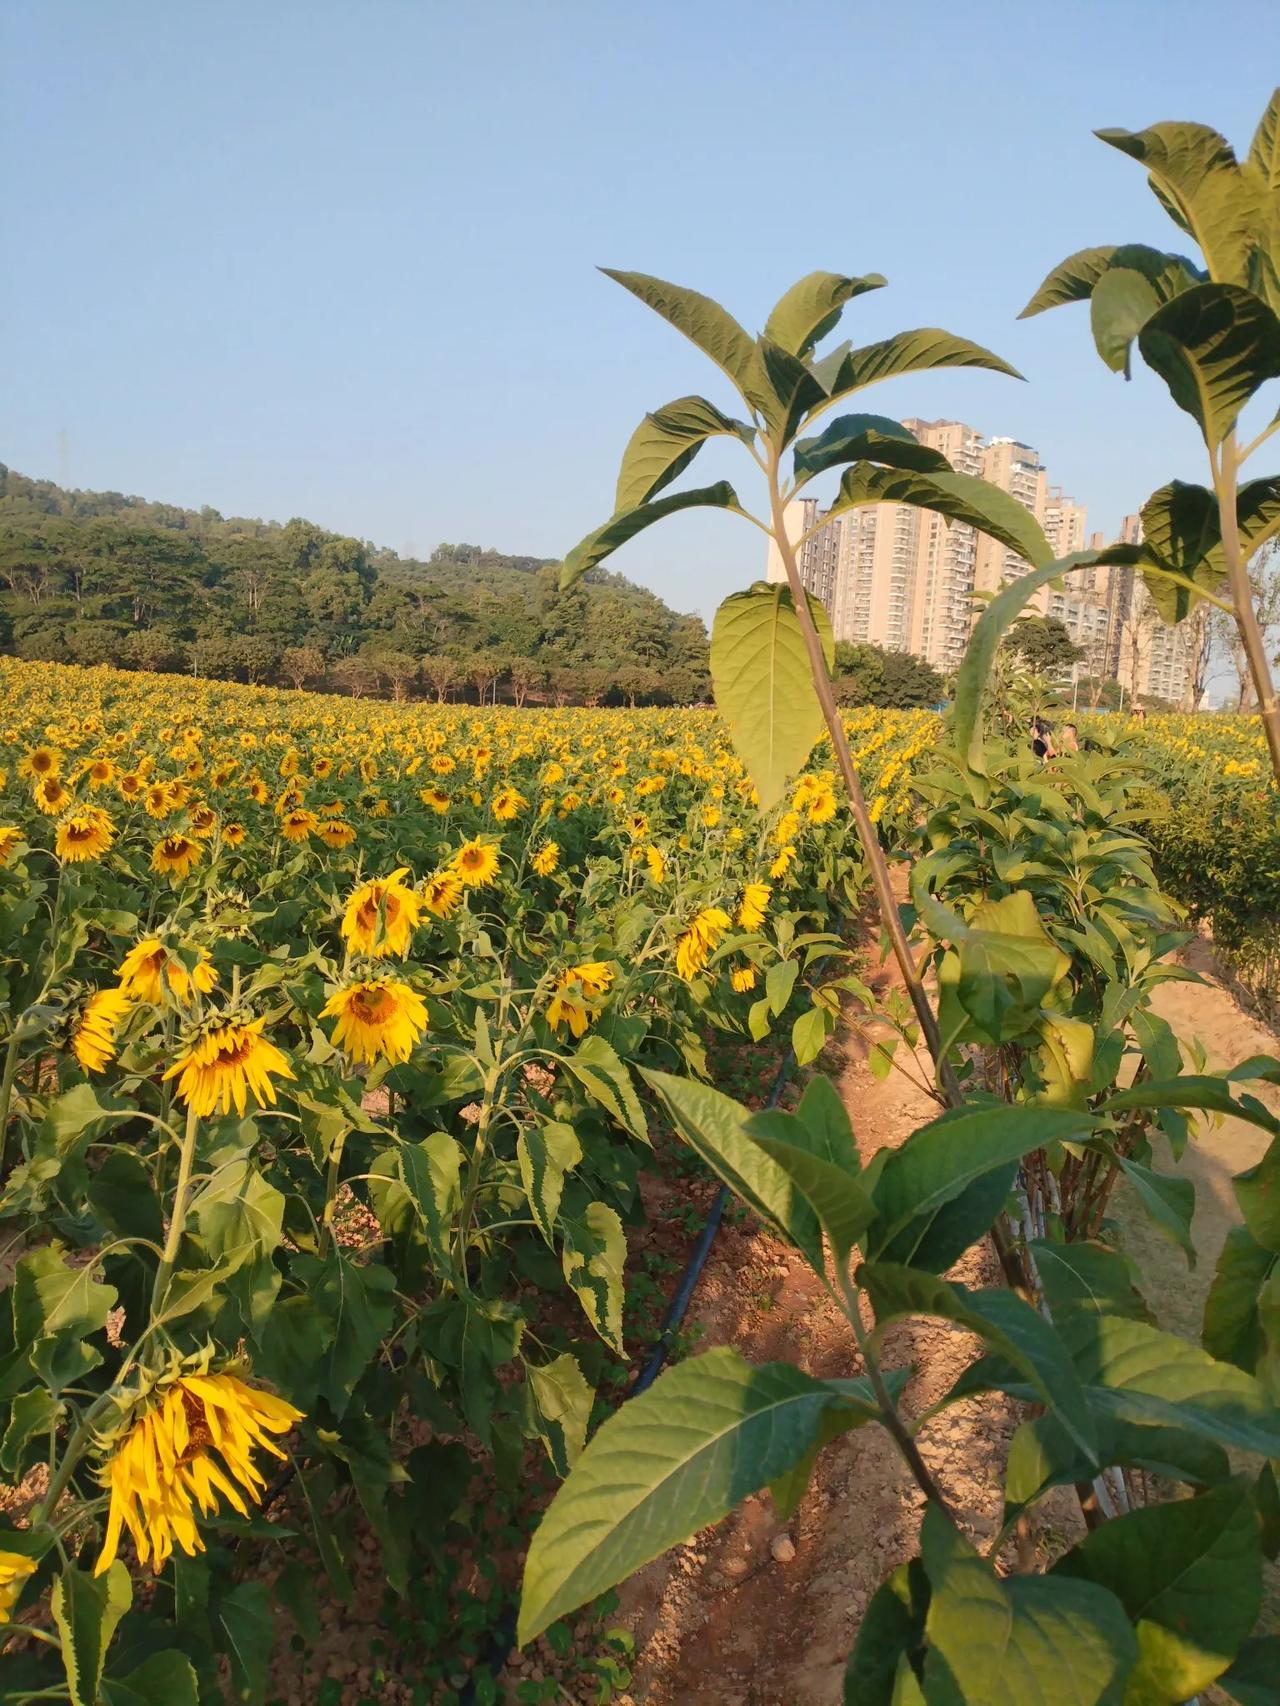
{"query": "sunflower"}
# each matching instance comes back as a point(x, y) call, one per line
point(377, 1016)
point(508, 803)
point(782, 864)
point(83, 835)
point(336, 832)
point(51, 797)
point(40, 762)
point(192, 1440)
point(100, 772)
point(694, 948)
point(175, 854)
point(743, 978)
point(297, 825)
point(129, 786)
point(259, 792)
point(202, 820)
point(380, 917)
point(226, 1061)
point(14, 1572)
point(441, 892)
point(476, 863)
point(150, 969)
point(93, 1042)
point(10, 836)
point(657, 864)
point(436, 798)
point(751, 908)
point(575, 987)
point(546, 859)
point(233, 834)
point(157, 800)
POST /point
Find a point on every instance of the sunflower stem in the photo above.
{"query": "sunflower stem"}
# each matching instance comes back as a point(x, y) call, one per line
point(6, 1097)
point(178, 1215)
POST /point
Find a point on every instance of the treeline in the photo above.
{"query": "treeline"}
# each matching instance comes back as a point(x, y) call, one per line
point(99, 578)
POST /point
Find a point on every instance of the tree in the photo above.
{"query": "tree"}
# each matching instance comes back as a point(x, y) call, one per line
point(890, 680)
point(859, 673)
point(443, 672)
point(398, 668)
point(301, 664)
point(525, 675)
point(1264, 580)
point(1045, 644)
point(356, 675)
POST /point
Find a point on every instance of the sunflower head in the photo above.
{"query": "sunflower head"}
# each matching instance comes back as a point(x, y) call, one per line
point(10, 837)
point(376, 1016)
point(476, 863)
point(15, 1571)
point(83, 835)
point(380, 917)
point(174, 855)
point(226, 1060)
point(93, 1040)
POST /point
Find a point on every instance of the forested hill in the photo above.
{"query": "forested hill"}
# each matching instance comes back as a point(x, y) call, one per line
point(96, 577)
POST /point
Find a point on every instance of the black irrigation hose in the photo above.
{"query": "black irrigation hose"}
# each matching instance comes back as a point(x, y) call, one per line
point(503, 1643)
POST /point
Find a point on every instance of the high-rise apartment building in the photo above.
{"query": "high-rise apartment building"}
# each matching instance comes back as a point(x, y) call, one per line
point(1149, 654)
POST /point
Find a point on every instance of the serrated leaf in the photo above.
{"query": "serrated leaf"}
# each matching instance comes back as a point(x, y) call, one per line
point(714, 1126)
point(597, 1067)
point(708, 1433)
point(620, 528)
point(563, 1399)
point(763, 683)
point(1214, 346)
point(86, 1610)
point(1189, 1574)
point(30, 1417)
point(431, 1172)
point(595, 1251)
point(666, 442)
point(545, 1154)
point(805, 313)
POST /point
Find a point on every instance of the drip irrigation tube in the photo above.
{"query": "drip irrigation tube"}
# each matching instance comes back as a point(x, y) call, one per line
point(672, 1321)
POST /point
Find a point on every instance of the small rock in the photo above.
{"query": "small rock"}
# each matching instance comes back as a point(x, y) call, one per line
point(783, 1549)
point(735, 1566)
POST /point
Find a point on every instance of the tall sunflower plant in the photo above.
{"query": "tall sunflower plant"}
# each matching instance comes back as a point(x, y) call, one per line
point(1046, 931)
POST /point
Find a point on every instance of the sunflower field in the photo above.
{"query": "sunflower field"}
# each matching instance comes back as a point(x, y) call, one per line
point(321, 1126)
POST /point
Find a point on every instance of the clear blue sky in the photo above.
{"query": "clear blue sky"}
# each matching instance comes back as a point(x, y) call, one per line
point(336, 260)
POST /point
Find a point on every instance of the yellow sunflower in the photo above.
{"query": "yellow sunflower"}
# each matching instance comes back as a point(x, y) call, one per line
point(336, 832)
point(93, 1042)
point(696, 945)
point(751, 908)
point(380, 917)
point(174, 855)
point(297, 825)
point(40, 762)
point(377, 1016)
point(158, 800)
point(226, 1062)
point(743, 978)
point(436, 798)
point(782, 864)
point(150, 969)
point(656, 863)
point(508, 803)
point(83, 835)
point(441, 892)
point(15, 1570)
point(575, 988)
point(10, 836)
point(191, 1443)
point(233, 834)
point(51, 797)
point(546, 859)
point(476, 863)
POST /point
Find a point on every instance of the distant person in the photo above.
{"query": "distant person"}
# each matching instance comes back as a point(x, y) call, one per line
point(1042, 739)
point(1070, 738)
point(1139, 713)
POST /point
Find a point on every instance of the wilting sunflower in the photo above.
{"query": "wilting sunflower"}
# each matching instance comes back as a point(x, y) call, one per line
point(233, 834)
point(175, 855)
point(10, 836)
point(546, 859)
point(751, 908)
point(441, 892)
point(377, 1016)
point(436, 798)
point(476, 863)
point(508, 803)
point(782, 864)
point(380, 917)
point(336, 832)
point(297, 825)
point(743, 978)
point(202, 820)
point(694, 948)
point(93, 1042)
point(575, 988)
point(657, 864)
point(83, 835)
point(150, 969)
point(190, 1441)
point(226, 1061)
point(15, 1570)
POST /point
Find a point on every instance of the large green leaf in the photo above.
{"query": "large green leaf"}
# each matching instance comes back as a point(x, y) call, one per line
point(714, 1125)
point(1169, 1202)
point(86, 1610)
point(1233, 1329)
point(1074, 279)
point(666, 442)
point(1022, 1638)
point(563, 1400)
point(870, 438)
point(1214, 346)
point(703, 321)
point(975, 667)
point(960, 497)
point(763, 682)
point(619, 528)
point(1004, 1323)
point(598, 1067)
point(1087, 1276)
point(247, 1630)
point(804, 315)
point(545, 1154)
point(825, 1117)
point(1258, 1193)
point(1196, 177)
point(842, 1204)
point(1122, 303)
point(1042, 1454)
point(892, 1628)
point(706, 1435)
point(595, 1248)
point(788, 392)
point(165, 1679)
point(1252, 1679)
point(432, 1175)
point(911, 352)
point(1189, 1574)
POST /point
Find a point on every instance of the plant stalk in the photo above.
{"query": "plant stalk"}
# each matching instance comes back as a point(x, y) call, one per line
point(1226, 482)
point(178, 1216)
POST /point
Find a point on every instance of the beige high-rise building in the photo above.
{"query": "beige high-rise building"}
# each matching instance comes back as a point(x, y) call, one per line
point(1016, 468)
point(1149, 655)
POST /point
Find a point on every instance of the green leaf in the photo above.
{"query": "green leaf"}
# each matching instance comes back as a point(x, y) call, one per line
point(1206, 1091)
point(1122, 303)
point(703, 321)
point(892, 1628)
point(596, 1066)
point(825, 1118)
point(1258, 1193)
point(804, 315)
point(595, 1251)
point(122, 1194)
point(55, 1307)
point(763, 683)
point(30, 1417)
point(960, 497)
point(842, 1204)
point(432, 1175)
point(870, 438)
point(247, 1634)
point(1189, 1575)
point(240, 1215)
point(1074, 279)
point(706, 1435)
point(1042, 1454)
point(546, 1153)
point(81, 1112)
point(939, 1162)
point(1004, 1323)
point(1233, 1329)
point(1214, 346)
point(563, 1401)
point(779, 981)
point(165, 1679)
point(666, 442)
point(1251, 1681)
point(620, 528)
point(1170, 1202)
point(1198, 181)
point(1087, 1276)
point(789, 392)
point(355, 1304)
point(1026, 1638)
point(809, 1034)
point(975, 667)
point(714, 1125)
point(86, 1610)
point(916, 351)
